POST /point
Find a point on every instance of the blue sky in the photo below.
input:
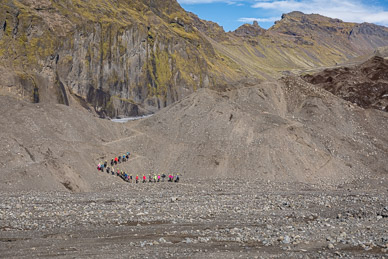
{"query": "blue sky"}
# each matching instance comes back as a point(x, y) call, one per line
point(232, 13)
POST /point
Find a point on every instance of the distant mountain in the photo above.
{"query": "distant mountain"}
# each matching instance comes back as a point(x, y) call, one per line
point(132, 57)
point(300, 41)
point(349, 38)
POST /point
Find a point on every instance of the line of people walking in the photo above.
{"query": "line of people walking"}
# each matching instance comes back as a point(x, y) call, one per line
point(152, 178)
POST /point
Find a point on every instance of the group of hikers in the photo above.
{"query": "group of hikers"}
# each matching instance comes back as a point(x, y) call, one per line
point(133, 179)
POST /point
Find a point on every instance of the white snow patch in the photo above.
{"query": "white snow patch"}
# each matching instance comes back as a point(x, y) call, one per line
point(124, 120)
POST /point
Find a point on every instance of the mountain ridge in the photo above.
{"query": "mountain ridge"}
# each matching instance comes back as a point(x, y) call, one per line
point(136, 57)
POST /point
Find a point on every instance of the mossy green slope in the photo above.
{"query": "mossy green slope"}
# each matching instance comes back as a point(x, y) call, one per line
point(298, 42)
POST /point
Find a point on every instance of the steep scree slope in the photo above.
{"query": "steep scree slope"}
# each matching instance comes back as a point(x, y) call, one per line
point(288, 132)
point(52, 147)
point(281, 131)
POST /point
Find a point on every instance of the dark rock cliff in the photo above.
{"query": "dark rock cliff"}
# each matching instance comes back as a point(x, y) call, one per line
point(117, 58)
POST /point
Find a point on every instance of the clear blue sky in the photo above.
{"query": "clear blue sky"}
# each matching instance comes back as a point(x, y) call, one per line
point(232, 13)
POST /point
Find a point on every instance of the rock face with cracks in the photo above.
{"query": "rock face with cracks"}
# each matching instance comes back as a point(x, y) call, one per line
point(120, 57)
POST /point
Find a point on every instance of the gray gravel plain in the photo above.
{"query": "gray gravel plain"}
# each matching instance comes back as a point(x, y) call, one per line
point(214, 218)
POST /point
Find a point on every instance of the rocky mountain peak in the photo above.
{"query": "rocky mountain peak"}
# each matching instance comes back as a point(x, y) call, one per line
point(252, 30)
point(318, 29)
point(294, 14)
point(297, 16)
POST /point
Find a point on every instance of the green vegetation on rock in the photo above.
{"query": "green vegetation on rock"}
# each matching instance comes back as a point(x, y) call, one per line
point(142, 50)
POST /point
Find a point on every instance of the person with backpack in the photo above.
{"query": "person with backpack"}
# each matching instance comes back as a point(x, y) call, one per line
point(158, 177)
point(137, 178)
point(177, 178)
point(163, 176)
point(116, 160)
point(144, 178)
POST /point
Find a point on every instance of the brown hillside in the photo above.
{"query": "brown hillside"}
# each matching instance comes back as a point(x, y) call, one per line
point(284, 132)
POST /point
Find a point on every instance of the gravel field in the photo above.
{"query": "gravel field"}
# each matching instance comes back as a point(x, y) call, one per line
point(217, 218)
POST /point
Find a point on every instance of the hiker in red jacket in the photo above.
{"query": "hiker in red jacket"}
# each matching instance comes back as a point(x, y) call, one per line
point(137, 178)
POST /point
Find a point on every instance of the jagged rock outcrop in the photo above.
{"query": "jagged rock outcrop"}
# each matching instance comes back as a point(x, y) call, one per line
point(209, 29)
point(249, 30)
point(365, 85)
